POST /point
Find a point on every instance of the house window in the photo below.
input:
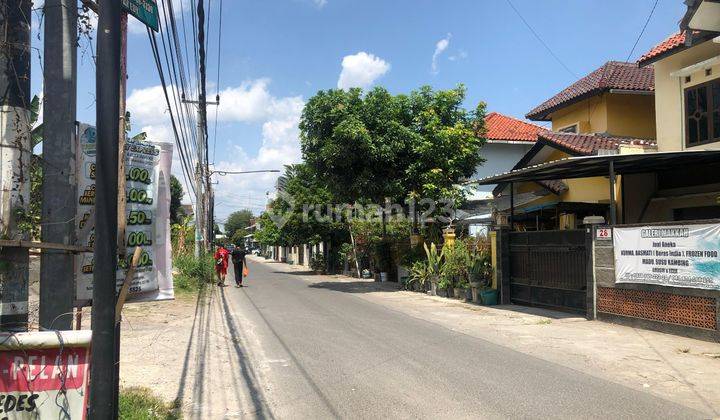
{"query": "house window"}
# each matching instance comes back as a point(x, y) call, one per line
point(702, 113)
point(569, 129)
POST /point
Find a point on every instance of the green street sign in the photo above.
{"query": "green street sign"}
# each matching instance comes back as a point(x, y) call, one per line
point(146, 11)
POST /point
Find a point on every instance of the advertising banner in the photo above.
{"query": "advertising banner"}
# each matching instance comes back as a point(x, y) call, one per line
point(147, 189)
point(44, 375)
point(678, 256)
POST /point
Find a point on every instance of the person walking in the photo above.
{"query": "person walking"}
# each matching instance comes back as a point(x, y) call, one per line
point(239, 264)
point(221, 264)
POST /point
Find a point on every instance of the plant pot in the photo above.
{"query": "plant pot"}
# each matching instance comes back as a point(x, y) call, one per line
point(468, 295)
point(417, 287)
point(488, 296)
point(433, 289)
point(474, 288)
point(458, 292)
point(442, 292)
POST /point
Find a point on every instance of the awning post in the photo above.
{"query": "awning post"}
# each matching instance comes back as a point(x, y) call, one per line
point(512, 205)
point(613, 215)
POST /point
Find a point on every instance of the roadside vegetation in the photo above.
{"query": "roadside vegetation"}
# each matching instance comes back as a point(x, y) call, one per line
point(137, 403)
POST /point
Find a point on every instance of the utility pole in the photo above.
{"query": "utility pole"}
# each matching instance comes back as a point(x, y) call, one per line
point(202, 122)
point(15, 152)
point(102, 375)
point(58, 189)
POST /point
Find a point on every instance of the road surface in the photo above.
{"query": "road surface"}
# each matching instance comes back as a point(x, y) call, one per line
point(308, 349)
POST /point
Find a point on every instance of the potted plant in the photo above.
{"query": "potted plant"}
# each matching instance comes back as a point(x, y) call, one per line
point(481, 272)
point(317, 263)
point(455, 268)
point(443, 287)
point(434, 265)
point(419, 276)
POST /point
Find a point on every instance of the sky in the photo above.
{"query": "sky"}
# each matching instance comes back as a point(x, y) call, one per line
point(276, 54)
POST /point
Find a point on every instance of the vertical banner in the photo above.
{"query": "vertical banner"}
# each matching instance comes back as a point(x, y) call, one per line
point(44, 375)
point(677, 256)
point(147, 212)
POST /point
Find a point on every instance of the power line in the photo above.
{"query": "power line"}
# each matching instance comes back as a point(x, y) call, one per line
point(643, 30)
point(517, 12)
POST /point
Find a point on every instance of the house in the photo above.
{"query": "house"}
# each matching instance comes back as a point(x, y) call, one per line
point(653, 262)
point(507, 140)
point(609, 111)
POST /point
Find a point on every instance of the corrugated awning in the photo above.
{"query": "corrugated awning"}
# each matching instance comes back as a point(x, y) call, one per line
point(591, 166)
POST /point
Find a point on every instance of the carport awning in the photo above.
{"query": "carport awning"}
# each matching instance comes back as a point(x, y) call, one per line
point(591, 166)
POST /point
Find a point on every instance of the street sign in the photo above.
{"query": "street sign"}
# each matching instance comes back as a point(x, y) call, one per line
point(146, 11)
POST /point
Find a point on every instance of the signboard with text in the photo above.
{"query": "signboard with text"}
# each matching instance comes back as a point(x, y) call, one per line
point(42, 377)
point(677, 256)
point(147, 180)
point(146, 11)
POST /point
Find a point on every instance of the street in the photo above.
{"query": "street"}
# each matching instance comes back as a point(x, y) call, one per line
point(302, 349)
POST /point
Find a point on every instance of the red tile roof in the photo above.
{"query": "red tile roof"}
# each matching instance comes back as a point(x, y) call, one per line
point(670, 43)
point(612, 75)
point(589, 144)
point(500, 127)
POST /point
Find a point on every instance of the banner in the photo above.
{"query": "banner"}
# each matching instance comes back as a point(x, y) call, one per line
point(44, 375)
point(147, 210)
point(678, 256)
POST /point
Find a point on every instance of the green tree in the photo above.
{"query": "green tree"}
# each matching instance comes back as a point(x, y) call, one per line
point(176, 195)
point(237, 220)
point(377, 146)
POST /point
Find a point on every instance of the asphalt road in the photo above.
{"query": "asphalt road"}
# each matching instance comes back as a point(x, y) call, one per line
point(314, 349)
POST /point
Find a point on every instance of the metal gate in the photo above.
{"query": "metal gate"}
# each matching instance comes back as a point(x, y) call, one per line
point(549, 269)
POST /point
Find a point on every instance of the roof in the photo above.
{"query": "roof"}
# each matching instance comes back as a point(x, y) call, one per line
point(671, 45)
point(588, 144)
point(612, 75)
point(500, 127)
point(592, 166)
point(574, 145)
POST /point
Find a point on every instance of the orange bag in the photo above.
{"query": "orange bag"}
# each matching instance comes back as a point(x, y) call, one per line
point(245, 271)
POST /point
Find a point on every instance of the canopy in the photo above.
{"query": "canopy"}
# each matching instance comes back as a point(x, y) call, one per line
point(591, 166)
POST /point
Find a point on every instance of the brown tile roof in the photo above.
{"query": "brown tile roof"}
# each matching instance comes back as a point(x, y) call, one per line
point(500, 127)
point(588, 144)
point(670, 43)
point(555, 186)
point(612, 75)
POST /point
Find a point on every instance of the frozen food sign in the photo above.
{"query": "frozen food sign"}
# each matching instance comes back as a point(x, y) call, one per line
point(679, 256)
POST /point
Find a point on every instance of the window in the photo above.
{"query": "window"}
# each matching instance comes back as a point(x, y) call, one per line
point(569, 129)
point(702, 113)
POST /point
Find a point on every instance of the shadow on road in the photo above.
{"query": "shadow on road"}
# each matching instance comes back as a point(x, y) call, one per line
point(547, 313)
point(356, 286)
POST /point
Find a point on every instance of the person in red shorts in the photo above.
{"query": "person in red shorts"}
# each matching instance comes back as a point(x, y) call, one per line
point(221, 264)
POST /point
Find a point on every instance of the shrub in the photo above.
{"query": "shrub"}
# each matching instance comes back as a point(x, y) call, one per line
point(317, 262)
point(193, 272)
point(141, 404)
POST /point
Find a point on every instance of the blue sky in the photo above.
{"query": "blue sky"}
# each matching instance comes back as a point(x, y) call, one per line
point(278, 53)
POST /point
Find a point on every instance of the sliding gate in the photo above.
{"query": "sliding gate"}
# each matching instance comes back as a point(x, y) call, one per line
point(549, 269)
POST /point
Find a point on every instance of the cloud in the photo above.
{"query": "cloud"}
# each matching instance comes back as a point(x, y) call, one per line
point(361, 70)
point(440, 48)
point(320, 3)
point(460, 55)
point(249, 103)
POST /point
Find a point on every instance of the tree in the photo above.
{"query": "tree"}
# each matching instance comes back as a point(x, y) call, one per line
point(383, 146)
point(237, 220)
point(176, 195)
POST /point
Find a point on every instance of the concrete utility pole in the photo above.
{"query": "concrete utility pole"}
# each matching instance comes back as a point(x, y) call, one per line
point(102, 375)
point(59, 191)
point(15, 152)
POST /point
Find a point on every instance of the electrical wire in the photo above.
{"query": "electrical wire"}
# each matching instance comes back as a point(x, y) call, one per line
point(632, 50)
point(537, 36)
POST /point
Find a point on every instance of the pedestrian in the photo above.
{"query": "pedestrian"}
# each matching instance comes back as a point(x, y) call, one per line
point(221, 264)
point(239, 264)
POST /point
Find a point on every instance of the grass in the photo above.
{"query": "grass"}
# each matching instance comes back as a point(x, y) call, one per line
point(193, 273)
point(137, 403)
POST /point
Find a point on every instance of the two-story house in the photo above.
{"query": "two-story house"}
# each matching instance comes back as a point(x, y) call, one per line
point(610, 110)
point(686, 66)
